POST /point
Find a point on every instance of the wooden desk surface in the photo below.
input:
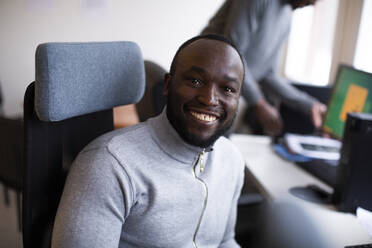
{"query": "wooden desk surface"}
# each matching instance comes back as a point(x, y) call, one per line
point(275, 176)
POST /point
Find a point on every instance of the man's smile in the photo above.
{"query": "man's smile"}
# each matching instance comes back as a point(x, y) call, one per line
point(208, 118)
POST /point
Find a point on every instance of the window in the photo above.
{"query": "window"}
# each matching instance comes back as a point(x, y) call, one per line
point(310, 43)
point(363, 53)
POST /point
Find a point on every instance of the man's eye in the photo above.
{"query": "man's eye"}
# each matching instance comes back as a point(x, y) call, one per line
point(196, 82)
point(228, 89)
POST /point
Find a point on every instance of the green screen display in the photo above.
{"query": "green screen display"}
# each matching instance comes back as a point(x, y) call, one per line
point(352, 92)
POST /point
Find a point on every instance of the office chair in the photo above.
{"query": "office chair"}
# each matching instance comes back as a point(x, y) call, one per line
point(70, 104)
point(11, 160)
point(11, 157)
point(153, 101)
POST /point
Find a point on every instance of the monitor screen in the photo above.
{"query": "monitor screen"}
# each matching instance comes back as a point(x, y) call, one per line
point(352, 92)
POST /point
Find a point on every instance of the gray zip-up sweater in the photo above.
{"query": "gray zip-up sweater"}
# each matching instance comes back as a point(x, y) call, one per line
point(142, 186)
point(259, 29)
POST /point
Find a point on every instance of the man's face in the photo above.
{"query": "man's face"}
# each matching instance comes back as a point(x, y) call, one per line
point(204, 91)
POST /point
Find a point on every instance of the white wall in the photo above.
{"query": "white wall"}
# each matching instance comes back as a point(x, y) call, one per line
point(158, 26)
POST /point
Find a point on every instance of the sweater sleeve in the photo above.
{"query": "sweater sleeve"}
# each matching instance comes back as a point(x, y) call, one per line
point(288, 94)
point(94, 204)
point(282, 88)
point(229, 237)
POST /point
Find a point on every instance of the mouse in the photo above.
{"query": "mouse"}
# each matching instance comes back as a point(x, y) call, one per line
point(312, 193)
point(319, 192)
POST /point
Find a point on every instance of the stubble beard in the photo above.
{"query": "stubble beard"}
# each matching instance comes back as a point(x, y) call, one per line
point(181, 128)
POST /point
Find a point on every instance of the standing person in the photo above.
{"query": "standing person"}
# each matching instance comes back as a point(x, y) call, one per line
point(172, 181)
point(259, 29)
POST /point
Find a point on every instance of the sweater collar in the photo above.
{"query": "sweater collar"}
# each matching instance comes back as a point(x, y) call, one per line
point(170, 142)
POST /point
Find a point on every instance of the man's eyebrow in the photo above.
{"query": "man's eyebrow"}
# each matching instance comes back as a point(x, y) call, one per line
point(196, 69)
point(231, 79)
point(202, 71)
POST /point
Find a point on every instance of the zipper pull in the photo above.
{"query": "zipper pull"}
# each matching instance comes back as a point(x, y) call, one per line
point(201, 161)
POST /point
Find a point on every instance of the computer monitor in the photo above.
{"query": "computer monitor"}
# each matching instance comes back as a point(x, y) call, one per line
point(353, 186)
point(352, 92)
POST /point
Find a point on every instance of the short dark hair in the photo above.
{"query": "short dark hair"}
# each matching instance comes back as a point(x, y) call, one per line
point(199, 37)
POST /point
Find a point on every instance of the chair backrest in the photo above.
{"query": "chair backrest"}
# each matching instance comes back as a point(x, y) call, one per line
point(297, 122)
point(70, 104)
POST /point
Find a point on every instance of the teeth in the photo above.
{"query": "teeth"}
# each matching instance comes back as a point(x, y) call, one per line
point(203, 117)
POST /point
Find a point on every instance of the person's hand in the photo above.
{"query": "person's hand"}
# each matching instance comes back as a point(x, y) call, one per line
point(269, 118)
point(317, 113)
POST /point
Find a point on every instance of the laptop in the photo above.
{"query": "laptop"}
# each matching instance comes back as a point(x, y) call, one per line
point(351, 92)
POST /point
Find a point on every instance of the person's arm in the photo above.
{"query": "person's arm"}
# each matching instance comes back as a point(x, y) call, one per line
point(294, 98)
point(229, 236)
point(95, 203)
point(287, 93)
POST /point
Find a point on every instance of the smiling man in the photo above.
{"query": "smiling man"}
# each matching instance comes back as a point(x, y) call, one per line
point(203, 89)
point(172, 181)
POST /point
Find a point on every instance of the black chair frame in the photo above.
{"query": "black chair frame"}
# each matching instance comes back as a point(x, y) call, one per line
point(50, 148)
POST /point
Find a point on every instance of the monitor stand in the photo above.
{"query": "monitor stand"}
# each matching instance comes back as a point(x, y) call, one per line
point(312, 193)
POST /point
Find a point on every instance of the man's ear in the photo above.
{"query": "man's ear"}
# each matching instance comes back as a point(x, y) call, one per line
point(167, 83)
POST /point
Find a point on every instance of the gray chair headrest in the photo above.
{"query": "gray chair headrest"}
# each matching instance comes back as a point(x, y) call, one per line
point(74, 79)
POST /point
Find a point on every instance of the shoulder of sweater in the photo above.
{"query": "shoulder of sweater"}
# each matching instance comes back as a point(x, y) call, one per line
point(226, 146)
point(127, 134)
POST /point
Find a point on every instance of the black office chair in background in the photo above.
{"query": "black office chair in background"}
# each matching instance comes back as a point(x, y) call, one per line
point(153, 101)
point(11, 157)
point(69, 104)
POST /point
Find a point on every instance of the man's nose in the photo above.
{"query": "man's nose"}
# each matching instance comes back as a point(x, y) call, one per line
point(208, 95)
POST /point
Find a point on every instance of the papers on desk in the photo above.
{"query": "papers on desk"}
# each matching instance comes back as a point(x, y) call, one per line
point(313, 146)
point(365, 219)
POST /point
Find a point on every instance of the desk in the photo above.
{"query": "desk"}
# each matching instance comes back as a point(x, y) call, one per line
point(275, 176)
